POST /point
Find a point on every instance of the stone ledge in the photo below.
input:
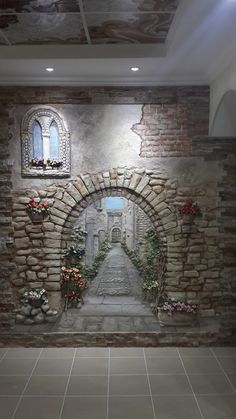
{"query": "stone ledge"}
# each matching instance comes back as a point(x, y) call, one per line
point(210, 332)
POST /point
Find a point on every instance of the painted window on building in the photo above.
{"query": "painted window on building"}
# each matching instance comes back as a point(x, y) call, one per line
point(45, 142)
point(37, 141)
point(54, 141)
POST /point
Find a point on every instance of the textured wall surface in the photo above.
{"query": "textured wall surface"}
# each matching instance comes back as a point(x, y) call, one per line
point(149, 145)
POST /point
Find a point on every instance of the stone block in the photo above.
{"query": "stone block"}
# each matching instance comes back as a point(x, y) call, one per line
point(48, 226)
point(55, 243)
point(74, 193)
point(24, 252)
point(32, 261)
point(58, 221)
point(68, 199)
point(63, 209)
point(42, 275)
point(20, 260)
point(31, 276)
point(81, 187)
point(191, 274)
point(22, 243)
point(52, 286)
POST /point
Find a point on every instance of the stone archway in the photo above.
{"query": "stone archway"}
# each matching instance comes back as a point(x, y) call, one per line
point(116, 235)
point(42, 261)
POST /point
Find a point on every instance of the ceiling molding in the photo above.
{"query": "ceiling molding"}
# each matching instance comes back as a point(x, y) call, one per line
point(82, 51)
point(138, 81)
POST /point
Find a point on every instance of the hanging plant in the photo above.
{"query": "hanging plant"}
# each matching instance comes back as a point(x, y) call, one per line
point(37, 209)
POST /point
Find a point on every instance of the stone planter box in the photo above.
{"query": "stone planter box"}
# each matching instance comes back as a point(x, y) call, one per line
point(188, 218)
point(36, 218)
point(178, 318)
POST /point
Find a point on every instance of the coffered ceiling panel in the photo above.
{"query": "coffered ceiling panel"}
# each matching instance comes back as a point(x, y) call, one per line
point(42, 28)
point(130, 5)
point(85, 21)
point(128, 28)
point(40, 6)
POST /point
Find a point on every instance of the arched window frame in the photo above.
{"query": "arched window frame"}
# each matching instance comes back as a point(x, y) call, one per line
point(45, 116)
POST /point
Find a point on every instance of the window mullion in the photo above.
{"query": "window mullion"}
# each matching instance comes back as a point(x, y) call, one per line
point(46, 147)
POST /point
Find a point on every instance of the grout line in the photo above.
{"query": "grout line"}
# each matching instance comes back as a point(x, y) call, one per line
point(24, 389)
point(222, 369)
point(104, 13)
point(67, 385)
point(28, 396)
point(3, 35)
point(149, 385)
point(194, 395)
point(4, 355)
point(104, 375)
point(84, 21)
point(108, 382)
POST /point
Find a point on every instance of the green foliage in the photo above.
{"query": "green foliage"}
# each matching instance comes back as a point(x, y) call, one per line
point(148, 264)
point(74, 254)
point(90, 272)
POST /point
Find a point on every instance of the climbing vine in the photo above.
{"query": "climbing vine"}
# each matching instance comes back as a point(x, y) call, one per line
point(147, 265)
point(90, 272)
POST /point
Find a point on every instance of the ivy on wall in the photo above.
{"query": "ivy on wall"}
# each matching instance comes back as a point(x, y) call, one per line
point(147, 265)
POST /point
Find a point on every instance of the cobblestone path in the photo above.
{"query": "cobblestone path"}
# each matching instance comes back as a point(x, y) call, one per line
point(117, 276)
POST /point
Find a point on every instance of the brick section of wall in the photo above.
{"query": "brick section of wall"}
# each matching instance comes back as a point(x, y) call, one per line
point(198, 96)
point(6, 229)
point(171, 115)
point(166, 129)
point(223, 150)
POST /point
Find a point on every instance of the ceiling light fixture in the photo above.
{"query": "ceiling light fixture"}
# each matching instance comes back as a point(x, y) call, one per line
point(49, 69)
point(134, 69)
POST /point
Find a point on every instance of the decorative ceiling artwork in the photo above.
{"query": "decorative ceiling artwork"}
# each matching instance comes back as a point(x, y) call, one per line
point(29, 22)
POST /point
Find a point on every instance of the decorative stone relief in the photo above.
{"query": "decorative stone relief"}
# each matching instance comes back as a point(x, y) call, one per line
point(45, 116)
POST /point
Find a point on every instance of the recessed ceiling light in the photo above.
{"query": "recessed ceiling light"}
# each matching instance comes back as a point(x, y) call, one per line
point(134, 69)
point(49, 69)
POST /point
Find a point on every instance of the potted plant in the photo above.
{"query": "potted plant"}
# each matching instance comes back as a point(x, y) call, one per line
point(177, 313)
point(189, 210)
point(37, 209)
point(37, 162)
point(75, 252)
point(54, 163)
point(72, 286)
point(35, 297)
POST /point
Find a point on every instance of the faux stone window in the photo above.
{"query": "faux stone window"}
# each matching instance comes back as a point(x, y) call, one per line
point(45, 144)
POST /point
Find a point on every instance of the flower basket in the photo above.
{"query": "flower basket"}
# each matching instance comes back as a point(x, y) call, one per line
point(72, 286)
point(36, 302)
point(54, 163)
point(35, 297)
point(188, 218)
point(177, 318)
point(177, 313)
point(37, 209)
point(189, 210)
point(36, 218)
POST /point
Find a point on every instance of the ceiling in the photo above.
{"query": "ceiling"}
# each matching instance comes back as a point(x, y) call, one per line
point(95, 42)
point(48, 22)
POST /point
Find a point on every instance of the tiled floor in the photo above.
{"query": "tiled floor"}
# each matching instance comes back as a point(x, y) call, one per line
point(118, 383)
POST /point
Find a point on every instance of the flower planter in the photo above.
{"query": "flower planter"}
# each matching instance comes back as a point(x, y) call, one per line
point(177, 318)
point(36, 302)
point(36, 218)
point(188, 218)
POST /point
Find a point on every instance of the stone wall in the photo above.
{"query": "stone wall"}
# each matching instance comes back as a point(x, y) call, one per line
point(195, 268)
point(146, 149)
point(6, 227)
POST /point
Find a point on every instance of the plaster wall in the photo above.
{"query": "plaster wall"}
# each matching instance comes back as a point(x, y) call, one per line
point(224, 83)
point(138, 143)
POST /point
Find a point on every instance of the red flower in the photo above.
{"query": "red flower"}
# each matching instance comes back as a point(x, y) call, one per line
point(189, 207)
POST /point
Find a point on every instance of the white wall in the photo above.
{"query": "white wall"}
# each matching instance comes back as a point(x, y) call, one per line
point(225, 82)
